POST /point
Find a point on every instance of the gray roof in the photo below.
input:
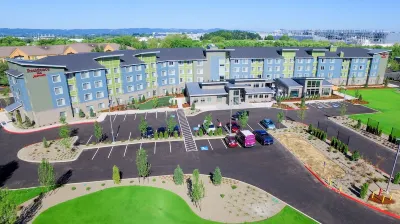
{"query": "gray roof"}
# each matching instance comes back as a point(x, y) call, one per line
point(193, 89)
point(13, 72)
point(255, 52)
point(326, 83)
point(377, 51)
point(258, 90)
point(354, 52)
point(75, 62)
point(288, 82)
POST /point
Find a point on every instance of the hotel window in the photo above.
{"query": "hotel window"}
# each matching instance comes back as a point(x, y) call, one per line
point(354, 74)
point(130, 89)
point(163, 73)
point(219, 98)
point(181, 71)
point(277, 61)
point(236, 61)
point(129, 78)
point(90, 107)
point(71, 87)
point(85, 75)
point(284, 68)
point(200, 79)
point(57, 90)
point(259, 69)
point(300, 60)
point(305, 74)
point(332, 60)
point(202, 100)
point(88, 96)
point(299, 75)
point(101, 106)
point(153, 65)
point(209, 99)
point(307, 68)
point(361, 67)
point(138, 68)
point(253, 69)
point(108, 81)
point(116, 80)
point(291, 60)
point(98, 84)
point(116, 70)
point(308, 60)
point(355, 60)
point(74, 99)
point(139, 86)
point(180, 63)
point(97, 73)
point(236, 69)
point(130, 69)
point(63, 114)
point(118, 90)
point(245, 61)
point(322, 60)
point(189, 79)
point(189, 62)
point(180, 80)
point(164, 64)
point(300, 68)
point(55, 78)
point(86, 86)
point(189, 71)
point(322, 67)
point(138, 77)
point(290, 68)
point(360, 74)
point(269, 68)
point(148, 94)
point(110, 91)
point(164, 82)
point(171, 81)
point(199, 63)
point(99, 95)
point(330, 75)
point(362, 60)
point(148, 84)
point(154, 74)
point(331, 67)
point(269, 61)
point(354, 67)
point(170, 63)
point(171, 72)
point(375, 67)
point(200, 71)
point(245, 69)
point(250, 96)
point(277, 68)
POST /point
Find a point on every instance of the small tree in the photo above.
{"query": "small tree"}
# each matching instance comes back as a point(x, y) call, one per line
point(46, 175)
point(98, 131)
point(178, 176)
point(355, 156)
point(116, 176)
point(396, 179)
point(197, 191)
point(360, 98)
point(310, 128)
point(207, 121)
point(45, 144)
point(142, 164)
point(280, 116)
point(155, 102)
point(143, 126)
point(91, 113)
point(166, 134)
point(81, 113)
point(143, 98)
point(167, 93)
point(8, 213)
point(161, 135)
point(217, 176)
point(301, 113)
point(364, 190)
point(171, 123)
point(156, 135)
point(136, 105)
point(343, 109)
point(193, 106)
point(386, 82)
point(175, 134)
point(18, 117)
point(357, 93)
point(28, 122)
point(303, 103)
point(243, 119)
point(201, 132)
point(358, 126)
point(64, 133)
point(176, 102)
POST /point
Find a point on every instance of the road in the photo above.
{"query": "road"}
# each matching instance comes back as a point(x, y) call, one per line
point(271, 168)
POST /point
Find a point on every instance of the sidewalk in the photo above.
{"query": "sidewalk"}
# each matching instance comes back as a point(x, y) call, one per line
point(347, 97)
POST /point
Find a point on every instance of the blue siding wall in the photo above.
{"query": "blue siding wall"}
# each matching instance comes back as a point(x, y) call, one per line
point(63, 85)
point(167, 77)
point(270, 70)
point(93, 90)
point(301, 65)
point(332, 68)
point(374, 65)
point(24, 96)
point(125, 74)
point(214, 67)
point(358, 67)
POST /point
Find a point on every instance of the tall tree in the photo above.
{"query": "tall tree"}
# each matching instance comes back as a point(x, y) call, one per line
point(280, 116)
point(198, 190)
point(178, 176)
point(269, 37)
point(142, 163)
point(46, 175)
point(8, 212)
point(116, 175)
point(64, 133)
point(171, 123)
point(217, 176)
point(98, 131)
point(143, 125)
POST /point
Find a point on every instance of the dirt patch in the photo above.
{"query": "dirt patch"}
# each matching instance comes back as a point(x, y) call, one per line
point(311, 156)
point(395, 208)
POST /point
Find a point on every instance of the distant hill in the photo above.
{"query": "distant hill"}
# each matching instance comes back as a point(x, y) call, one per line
point(21, 32)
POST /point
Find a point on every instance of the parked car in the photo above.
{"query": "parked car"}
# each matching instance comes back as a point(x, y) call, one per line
point(230, 141)
point(268, 124)
point(235, 126)
point(263, 137)
point(161, 129)
point(149, 133)
point(211, 127)
point(176, 129)
point(246, 138)
point(239, 113)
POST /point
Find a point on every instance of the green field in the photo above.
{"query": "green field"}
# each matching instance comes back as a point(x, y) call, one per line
point(162, 101)
point(387, 101)
point(20, 196)
point(136, 204)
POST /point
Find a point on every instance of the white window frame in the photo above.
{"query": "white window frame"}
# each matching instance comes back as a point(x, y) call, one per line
point(299, 68)
point(163, 73)
point(171, 64)
point(84, 74)
point(139, 77)
point(171, 71)
point(180, 63)
point(130, 88)
point(62, 100)
point(269, 61)
point(87, 94)
point(97, 73)
point(98, 81)
point(245, 61)
point(61, 90)
point(236, 69)
point(74, 99)
point(199, 71)
point(102, 93)
point(331, 68)
point(200, 63)
point(322, 68)
point(83, 84)
point(138, 68)
point(189, 71)
point(245, 69)
point(130, 69)
point(129, 78)
point(236, 61)
point(102, 106)
point(52, 78)
point(117, 80)
point(173, 80)
point(71, 87)
point(332, 60)
point(277, 61)
point(309, 60)
point(277, 68)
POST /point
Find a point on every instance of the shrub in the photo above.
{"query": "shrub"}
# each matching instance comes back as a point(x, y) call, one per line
point(396, 179)
point(211, 133)
point(165, 134)
point(161, 135)
point(45, 144)
point(175, 134)
point(345, 149)
point(355, 156)
point(360, 97)
point(233, 187)
point(156, 135)
point(222, 195)
point(154, 179)
point(310, 128)
point(364, 190)
point(358, 126)
point(73, 188)
point(103, 184)
point(193, 106)
point(81, 114)
point(167, 93)
point(201, 132)
point(178, 176)
point(91, 112)
point(217, 176)
point(88, 188)
point(116, 176)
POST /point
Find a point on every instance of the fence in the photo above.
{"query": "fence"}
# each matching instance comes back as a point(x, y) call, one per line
point(333, 132)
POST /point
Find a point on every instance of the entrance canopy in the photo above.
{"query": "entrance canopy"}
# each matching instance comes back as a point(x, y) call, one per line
point(12, 107)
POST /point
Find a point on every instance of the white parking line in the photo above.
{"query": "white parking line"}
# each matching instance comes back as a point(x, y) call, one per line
point(210, 144)
point(135, 117)
point(155, 143)
point(125, 149)
point(125, 117)
point(239, 145)
point(145, 115)
point(115, 117)
point(169, 146)
point(109, 154)
point(89, 140)
point(223, 142)
point(140, 145)
point(166, 114)
point(117, 134)
point(250, 127)
point(129, 136)
point(156, 114)
point(261, 126)
point(95, 153)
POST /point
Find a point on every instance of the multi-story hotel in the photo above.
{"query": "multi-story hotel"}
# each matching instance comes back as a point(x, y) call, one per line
point(55, 86)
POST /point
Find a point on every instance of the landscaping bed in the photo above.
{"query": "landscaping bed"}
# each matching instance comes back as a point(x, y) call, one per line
point(282, 106)
point(53, 152)
point(357, 101)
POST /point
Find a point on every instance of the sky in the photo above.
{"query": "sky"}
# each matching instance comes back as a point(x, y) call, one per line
point(257, 15)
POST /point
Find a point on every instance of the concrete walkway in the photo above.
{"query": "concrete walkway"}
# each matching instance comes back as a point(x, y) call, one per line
point(347, 97)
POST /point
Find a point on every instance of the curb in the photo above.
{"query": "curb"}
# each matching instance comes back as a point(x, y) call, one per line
point(351, 197)
point(43, 129)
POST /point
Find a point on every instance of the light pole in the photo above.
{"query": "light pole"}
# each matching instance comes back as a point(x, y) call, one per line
point(230, 120)
point(394, 164)
point(109, 111)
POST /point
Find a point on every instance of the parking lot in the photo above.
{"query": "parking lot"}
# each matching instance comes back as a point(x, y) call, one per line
point(333, 108)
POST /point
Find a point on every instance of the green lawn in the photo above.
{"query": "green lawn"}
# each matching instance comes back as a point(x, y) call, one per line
point(136, 204)
point(162, 101)
point(387, 101)
point(20, 196)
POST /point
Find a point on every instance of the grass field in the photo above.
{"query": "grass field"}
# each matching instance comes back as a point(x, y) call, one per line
point(387, 101)
point(20, 196)
point(136, 204)
point(162, 101)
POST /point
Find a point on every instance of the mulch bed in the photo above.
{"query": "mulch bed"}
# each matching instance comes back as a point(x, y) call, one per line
point(173, 106)
point(185, 105)
point(283, 106)
point(357, 101)
point(378, 199)
point(369, 87)
point(321, 98)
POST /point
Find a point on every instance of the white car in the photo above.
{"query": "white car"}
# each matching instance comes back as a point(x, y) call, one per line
point(211, 127)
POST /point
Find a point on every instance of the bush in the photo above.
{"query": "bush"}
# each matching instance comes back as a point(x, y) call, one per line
point(81, 114)
point(233, 187)
point(88, 188)
point(45, 144)
point(396, 179)
point(167, 93)
point(91, 113)
point(73, 188)
point(358, 126)
point(116, 176)
point(360, 97)
point(217, 176)
point(310, 129)
point(345, 149)
point(165, 134)
point(156, 135)
point(211, 133)
point(355, 156)
point(178, 176)
point(161, 135)
point(222, 195)
point(143, 98)
point(201, 132)
point(175, 134)
point(364, 190)
point(193, 106)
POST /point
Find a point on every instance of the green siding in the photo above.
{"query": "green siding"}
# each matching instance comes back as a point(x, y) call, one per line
point(110, 64)
point(316, 55)
point(151, 67)
point(183, 71)
point(288, 55)
point(254, 68)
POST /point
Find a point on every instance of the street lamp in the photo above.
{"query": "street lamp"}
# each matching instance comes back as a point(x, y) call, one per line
point(394, 164)
point(109, 111)
point(230, 120)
